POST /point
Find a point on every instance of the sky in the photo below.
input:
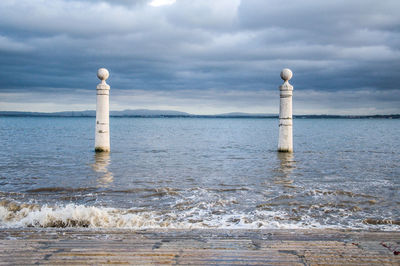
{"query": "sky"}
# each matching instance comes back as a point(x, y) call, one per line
point(201, 56)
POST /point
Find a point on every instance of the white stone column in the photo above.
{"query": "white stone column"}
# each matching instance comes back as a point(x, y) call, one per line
point(102, 137)
point(285, 113)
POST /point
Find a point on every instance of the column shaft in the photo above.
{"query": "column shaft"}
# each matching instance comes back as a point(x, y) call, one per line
point(102, 137)
point(285, 118)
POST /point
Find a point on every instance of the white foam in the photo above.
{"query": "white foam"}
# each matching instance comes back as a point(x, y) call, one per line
point(77, 216)
point(72, 215)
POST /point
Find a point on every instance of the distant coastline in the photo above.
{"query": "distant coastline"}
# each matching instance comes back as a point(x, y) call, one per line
point(171, 114)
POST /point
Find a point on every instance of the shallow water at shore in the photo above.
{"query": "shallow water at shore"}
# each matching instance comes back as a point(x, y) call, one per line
point(200, 173)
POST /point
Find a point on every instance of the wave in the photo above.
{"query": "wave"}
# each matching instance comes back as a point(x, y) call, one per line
point(15, 215)
point(162, 190)
point(71, 215)
point(60, 189)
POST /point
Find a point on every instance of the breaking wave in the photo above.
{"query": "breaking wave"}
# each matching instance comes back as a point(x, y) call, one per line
point(15, 215)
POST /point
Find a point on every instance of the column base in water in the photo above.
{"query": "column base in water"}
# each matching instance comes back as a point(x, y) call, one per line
point(102, 149)
point(285, 136)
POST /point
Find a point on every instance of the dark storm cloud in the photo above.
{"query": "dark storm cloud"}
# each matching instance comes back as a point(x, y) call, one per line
point(217, 51)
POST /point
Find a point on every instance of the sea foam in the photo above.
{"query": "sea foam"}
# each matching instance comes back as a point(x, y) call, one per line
point(14, 215)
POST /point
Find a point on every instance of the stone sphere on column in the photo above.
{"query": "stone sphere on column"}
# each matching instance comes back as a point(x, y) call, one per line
point(286, 74)
point(103, 74)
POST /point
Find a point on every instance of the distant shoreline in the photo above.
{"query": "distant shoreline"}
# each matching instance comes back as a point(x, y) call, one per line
point(176, 114)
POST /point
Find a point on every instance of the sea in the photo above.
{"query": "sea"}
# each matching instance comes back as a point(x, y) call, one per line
point(191, 173)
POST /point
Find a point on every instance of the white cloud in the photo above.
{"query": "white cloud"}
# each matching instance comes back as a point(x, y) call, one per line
point(157, 3)
point(9, 45)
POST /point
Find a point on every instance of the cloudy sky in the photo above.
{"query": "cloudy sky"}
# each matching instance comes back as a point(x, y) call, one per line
point(201, 56)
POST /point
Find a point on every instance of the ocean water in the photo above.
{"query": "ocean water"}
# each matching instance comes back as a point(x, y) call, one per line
point(200, 173)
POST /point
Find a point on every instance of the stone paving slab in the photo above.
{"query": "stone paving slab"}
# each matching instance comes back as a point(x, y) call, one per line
point(198, 247)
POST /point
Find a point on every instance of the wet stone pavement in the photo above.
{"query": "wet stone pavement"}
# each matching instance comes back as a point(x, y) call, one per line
point(210, 247)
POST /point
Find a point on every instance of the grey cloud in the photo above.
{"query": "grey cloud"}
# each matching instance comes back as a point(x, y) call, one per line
point(325, 17)
point(201, 46)
point(9, 45)
point(127, 3)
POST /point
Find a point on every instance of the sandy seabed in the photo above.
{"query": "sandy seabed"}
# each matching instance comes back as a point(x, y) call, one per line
point(27, 246)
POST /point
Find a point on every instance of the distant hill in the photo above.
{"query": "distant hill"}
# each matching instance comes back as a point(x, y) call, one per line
point(129, 113)
point(147, 113)
point(238, 115)
point(170, 113)
point(92, 113)
point(61, 114)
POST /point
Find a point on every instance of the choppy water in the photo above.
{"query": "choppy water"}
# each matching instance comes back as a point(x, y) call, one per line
point(200, 173)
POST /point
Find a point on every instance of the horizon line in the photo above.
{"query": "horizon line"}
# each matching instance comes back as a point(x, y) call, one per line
point(179, 114)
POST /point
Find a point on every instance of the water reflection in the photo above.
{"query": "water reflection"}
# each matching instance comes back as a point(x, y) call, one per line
point(285, 169)
point(102, 161)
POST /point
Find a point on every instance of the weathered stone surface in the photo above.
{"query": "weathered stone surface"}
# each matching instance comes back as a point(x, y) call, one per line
point(222, 247)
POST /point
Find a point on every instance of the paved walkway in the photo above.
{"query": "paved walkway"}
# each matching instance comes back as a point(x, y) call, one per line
point(250, 247)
